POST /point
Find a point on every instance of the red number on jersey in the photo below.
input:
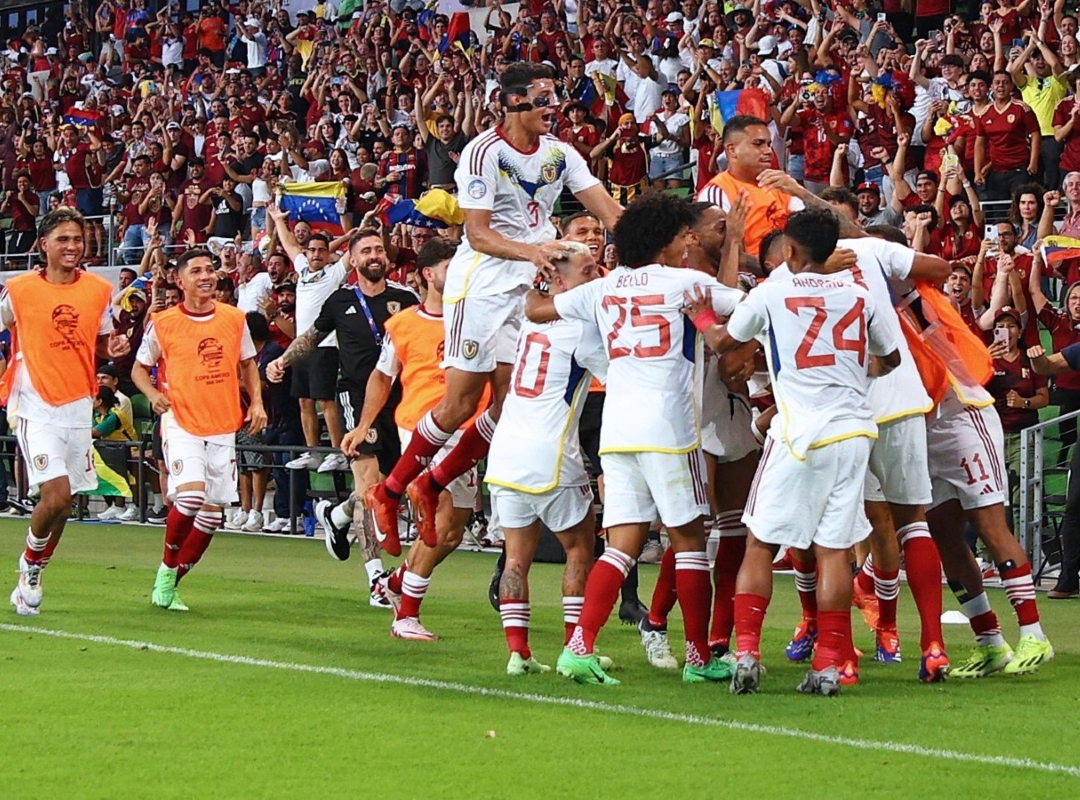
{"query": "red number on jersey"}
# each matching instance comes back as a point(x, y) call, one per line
point(638, 319)
point(540, 377)
point(854, 316)
point(533, 209)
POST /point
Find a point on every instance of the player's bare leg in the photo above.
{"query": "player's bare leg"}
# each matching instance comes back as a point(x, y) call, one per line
point(923, 565)
point(463, 393)
point(991, 652)
point(189, 529)
point(47, 523)
point(407, 585)
point(753, 592)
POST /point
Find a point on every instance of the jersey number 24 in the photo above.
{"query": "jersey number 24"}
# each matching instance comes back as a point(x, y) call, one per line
point(854, 317)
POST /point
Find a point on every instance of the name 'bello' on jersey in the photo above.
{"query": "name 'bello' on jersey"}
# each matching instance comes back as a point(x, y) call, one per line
point(654, 354)
point(520, 190)
point(820, 332)
point(535, 448)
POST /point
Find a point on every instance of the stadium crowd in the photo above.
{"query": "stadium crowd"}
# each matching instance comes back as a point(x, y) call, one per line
point(170, 130)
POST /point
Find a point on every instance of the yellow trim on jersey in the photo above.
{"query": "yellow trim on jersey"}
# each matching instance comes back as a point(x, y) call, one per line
point(905, 414)
point(669, 450)
point(853, 435)
point(960, 396)
point(468, 277)
point(517, 487)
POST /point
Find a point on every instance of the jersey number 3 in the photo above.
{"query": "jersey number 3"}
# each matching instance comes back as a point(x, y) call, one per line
point(804, 359)
point(636, 308)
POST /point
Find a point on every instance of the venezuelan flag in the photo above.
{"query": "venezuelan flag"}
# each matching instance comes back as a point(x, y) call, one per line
point(1056, 249)
point(725, 105)
point(458, 34)
point(82, 117)
point(319, 204)
point(436, 209)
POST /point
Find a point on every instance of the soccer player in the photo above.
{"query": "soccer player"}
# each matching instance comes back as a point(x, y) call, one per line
point(748, 146)
point(358, 315)
point(205, 352)
point(535, 469)
point(824, 339)
point(509, 179)
point(60, 322)
point(412, 350)
point(650, 441)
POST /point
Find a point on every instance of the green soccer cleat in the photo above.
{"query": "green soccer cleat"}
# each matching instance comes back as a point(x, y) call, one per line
point(715, 670)
point(177, 604)
point(164, 587)
point(1031, 653)
point(984, 660)
point(583, 669)
point(518, 666)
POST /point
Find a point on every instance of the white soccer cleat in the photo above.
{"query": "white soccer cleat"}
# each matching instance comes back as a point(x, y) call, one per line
point(131, 514)
point(29, 586)
point(410, 628)
point(21, 608)
point(335, 462)
point(657, 650)
point(253, 523)
point(109, 514)
point(304, 461)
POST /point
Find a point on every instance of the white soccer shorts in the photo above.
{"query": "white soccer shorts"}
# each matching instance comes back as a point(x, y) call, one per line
point(559, 510)
point(899, 472)
point(819, 501)
point(725, 426)
point(967, 458)
point(197, 459)
point(483, 331)
point(645, 486)
point(463, 488)
point(53, 452)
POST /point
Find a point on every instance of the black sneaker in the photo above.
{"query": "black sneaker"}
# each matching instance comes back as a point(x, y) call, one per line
point(337, 539)
point(718, 650)
point(631, 611)
point(496, 579)
point(157, 516)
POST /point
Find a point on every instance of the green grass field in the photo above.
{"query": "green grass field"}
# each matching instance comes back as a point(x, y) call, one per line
point(282, 682)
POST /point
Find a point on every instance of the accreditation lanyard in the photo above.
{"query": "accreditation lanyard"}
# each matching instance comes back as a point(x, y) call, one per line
point(370, 318)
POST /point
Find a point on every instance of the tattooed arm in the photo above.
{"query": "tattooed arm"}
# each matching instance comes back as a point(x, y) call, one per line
point(302, 347)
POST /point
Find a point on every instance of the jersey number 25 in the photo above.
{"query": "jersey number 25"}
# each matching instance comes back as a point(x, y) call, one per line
point(637, 310)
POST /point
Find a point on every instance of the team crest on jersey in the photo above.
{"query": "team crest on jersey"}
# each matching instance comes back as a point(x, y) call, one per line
point(65, 319)
point(548, 173)
point(1010, 119)
point(211, 353)
point(477, 189)
point(372, 436)
point(469, 348)
point(177, 467)
point(40, 462)
point(393, 306)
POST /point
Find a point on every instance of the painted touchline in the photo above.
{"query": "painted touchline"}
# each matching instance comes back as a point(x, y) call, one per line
point(569, 702)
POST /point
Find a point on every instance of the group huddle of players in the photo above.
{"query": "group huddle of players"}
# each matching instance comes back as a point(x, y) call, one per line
point(871, 420)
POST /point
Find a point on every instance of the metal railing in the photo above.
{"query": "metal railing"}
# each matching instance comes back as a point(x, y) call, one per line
point(1043, 485)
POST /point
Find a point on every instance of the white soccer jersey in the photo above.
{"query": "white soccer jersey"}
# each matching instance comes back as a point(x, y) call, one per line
point(535, 448)
point(520, 190)
point(820, 331)
point(654, 354)
point(900, 393)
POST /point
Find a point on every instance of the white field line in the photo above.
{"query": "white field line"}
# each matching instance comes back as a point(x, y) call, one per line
point(570, 702)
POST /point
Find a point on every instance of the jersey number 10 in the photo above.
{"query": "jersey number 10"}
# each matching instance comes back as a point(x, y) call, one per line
point(854, 317)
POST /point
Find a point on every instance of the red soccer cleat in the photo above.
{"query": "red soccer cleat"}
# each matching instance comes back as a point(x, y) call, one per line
point(934, 667)
point(382, 514)
point(849, 674)
point(867, 603)
point(425, 502)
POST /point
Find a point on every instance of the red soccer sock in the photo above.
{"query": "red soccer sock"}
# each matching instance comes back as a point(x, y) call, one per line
point(694, 588)
point(197, 541)
point(413, 589)
point(834, 645)
point(178, 525)
point(806, 586)
point(601, 592)
point(473, 446)
point(427, 440)
point(515, 619)
point(1020, 590)
point(982, 619)
point(37, 550)
point(394, 581)
point(729, 556)
point(887, 589)
point(663, 596)
point(749, 615)
point(923, 566)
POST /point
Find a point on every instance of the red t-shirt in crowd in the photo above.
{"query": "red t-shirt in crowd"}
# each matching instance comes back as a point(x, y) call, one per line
point(1007, 132)
point(816, 146)
point(1063, 332)
point(1015, 376)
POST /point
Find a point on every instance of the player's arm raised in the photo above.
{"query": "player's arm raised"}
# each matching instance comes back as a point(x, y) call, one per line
point(777, 179)
point(1052, 364)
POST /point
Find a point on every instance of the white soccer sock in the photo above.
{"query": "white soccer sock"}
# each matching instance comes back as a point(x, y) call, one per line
point(571, 609)
point(373, 568)
point(342, 514)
